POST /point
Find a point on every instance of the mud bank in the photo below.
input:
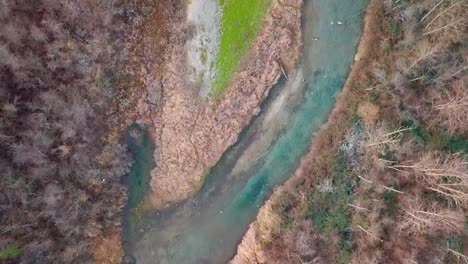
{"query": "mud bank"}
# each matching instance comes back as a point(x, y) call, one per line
point(204, 17)
point(250, 249)
point(190, 132)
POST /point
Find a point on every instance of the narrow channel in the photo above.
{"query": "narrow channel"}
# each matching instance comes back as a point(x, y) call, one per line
point(208, 227)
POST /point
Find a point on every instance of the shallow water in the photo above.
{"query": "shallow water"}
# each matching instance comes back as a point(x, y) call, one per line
point(208, 227)
point(141, 147)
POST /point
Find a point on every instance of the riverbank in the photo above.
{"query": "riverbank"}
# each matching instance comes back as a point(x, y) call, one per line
point(191, 133)
point(252, 248)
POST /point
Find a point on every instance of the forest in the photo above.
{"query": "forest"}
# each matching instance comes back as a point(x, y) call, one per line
point(60, 175)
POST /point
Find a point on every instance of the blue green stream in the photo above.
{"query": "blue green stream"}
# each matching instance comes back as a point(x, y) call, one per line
point(207, 228)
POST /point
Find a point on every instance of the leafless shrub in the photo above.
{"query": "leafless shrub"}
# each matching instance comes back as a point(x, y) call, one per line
point(437, 68)
point(458, 255)
point(325, 186)
point(400, 82)
point(373, 233)
point(417, 221)
point(432, 84)
point(4, 9)
point(9, 109)
point(422, 51)
point(305, 244)
point(379, 140)
point(37, 33)
point(446, 176)
point(27, 154)
point(447, 21)
point(450, 108)
point(7, 58)
point(14, 32)
point(361, 258)
point(380, 135)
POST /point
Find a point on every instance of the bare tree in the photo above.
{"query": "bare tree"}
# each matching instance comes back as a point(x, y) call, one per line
point(451, 107)
point(380, 139)
point(418, 221)
point(447, 21)
point(445, 175)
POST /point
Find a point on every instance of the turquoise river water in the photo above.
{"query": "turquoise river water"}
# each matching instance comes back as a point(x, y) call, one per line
point(207, 228)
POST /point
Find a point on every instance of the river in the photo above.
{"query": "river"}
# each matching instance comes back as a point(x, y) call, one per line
point(207, 228)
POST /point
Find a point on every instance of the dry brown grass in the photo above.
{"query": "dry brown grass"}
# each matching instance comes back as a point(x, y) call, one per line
point(108, 248)
point(369, 112)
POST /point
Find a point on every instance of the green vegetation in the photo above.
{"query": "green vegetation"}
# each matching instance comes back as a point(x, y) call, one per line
point(390, 202)
point(390, 26)
point(435, 197)
point(10, 252)
point(283, 208)
point(240, 23)
point(329, 210)
point(440, 140)
point(455, 242)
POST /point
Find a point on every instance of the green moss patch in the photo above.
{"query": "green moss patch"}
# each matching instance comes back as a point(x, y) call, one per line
point(10, 252)
point(239, 25)
point(329, 210)
point(438, 140)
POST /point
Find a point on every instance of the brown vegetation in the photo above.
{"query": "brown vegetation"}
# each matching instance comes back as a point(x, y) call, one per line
point(58, 74)
point(108, 248)
point(369, 112)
